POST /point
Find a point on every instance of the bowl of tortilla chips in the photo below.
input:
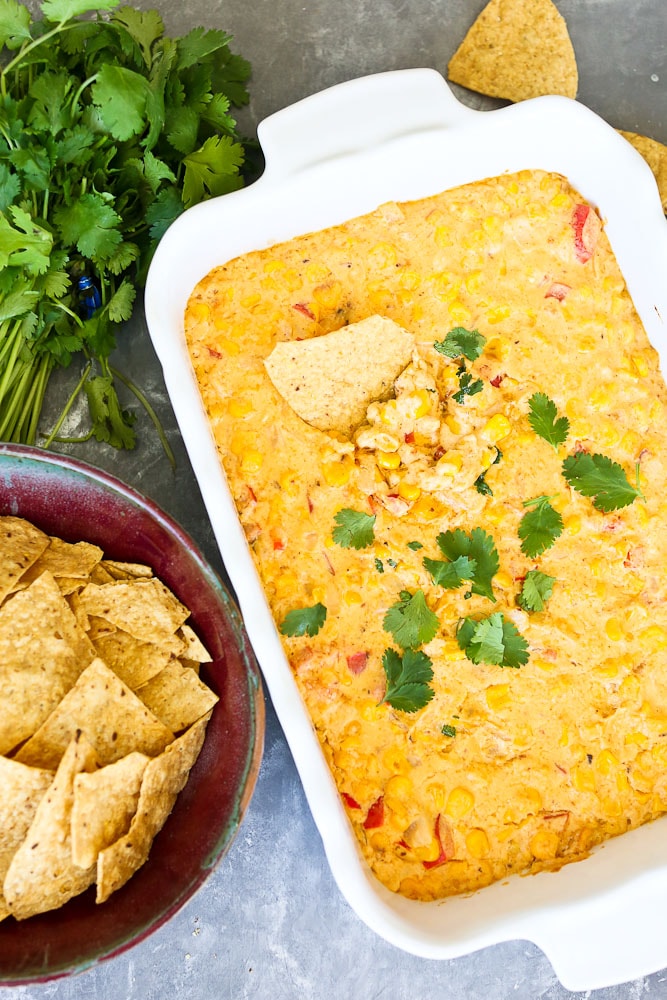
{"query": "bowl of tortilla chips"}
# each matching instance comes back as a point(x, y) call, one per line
point(131, 716)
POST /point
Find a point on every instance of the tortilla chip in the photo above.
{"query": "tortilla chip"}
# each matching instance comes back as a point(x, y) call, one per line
point(517, 49)
point(655, 154)
point(21, 790)
point(163, 779)
point(72, 560)
point(135, 662)
point(21, 544)
point(104, 803)
point(43, 651)
point(330, 380)
point(195, 649)
point(177, 697)
point(145, 608)
point(126, 570)
point(109, 714)
point(41, 875)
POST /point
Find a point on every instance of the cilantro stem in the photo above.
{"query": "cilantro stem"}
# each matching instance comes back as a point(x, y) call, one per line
point(67, 407)
point(150, 411)
point(23, 52)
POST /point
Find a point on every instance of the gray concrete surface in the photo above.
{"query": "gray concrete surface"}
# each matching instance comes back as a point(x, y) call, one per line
point(270, 923)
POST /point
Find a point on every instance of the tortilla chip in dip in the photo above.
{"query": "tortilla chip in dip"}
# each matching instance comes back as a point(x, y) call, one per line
point(330, 380)
point(655, 154)
point(42, 875)
point(517, 49)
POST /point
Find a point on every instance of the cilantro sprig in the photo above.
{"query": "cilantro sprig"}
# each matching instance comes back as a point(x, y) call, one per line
point(536, 590)
point(479, 549)
point(304, 621)
point(460, 342)
point(468, 386)
point(492, 640)
point(354, 529)
point(543, 418)
point(602, 479)
point(410, 620)
point(110, 129)
point(539, 527)
point(408, 678)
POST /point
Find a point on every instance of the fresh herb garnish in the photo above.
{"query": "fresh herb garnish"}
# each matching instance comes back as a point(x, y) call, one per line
point(539, 527)
point(536, 590)
point(354, 529)
point(447, 730)
point(410, 620)
point(544, 419)
point(460, 342)
point(493, 640)
point(109, 130)
point(604, 480)
point(451, 575)
point(408, 679)
point(379, 565)
point(467, 385)
point(415, 546)
point(480, 483)
point(480, 548)
point(304, 621)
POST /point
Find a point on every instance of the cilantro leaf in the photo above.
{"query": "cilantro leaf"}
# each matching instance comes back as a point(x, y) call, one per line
point(408, 676)
point(415, 546)
point(145, 27)
point(604, 480)
point(536, 590)
point(544, 419)
point(65, 10)
point(480, 548)
point(120, 304)
point(460, 342)
point(198, 44)
point(120, 96)
point(91, 225)
point(212, 170)
point(539, 527)
point(451, 575)
point(304, 621)
point(354, 529)
point(448, 730)
point(27, 246)
point(410, 620)
point(14, 24)
point(467, 385)
point(110, 422)
point(492, 640)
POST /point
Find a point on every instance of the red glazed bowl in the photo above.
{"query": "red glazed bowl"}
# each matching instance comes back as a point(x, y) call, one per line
point(65, 497)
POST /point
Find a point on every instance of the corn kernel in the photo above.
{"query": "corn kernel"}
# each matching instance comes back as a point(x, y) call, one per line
point(614, 629)
point(633, 584)
point(409, 491)
point(544, 845)
point(450, 463)
point(640, 364)
point(629, 687)
point(337, 473)
point(200, 311)
point(443, 237)
point(495, 429)
point(573, 525)
point(503, 579)
point(329, 294)
point(423, 399)
point(496, 347)
point(497, 314)
point(497, 696)
point(394, 760)
point(477, 843)
point(438, 795)
point(319, 594)
point(343, 759)
point(252, 461)
point(586, 344)
point(654, 637)
point(353, 597)
point(599, 397)
point(427, 508)
point(451, 651)
point(289, 483)
point(611, 807)
point(606, 762)
point(458, 312)
point(583, 779)
point(398, 789)
point(545, 665)
point(496, 514)
point(473, 282)
point(636, 739)
point(561, 200)
point(388, 459)
point(369, 710)
point(380, 841)
point(459, 802)
point(608, 434)
point(239, 407)
point(285, 584)
point(600, 590)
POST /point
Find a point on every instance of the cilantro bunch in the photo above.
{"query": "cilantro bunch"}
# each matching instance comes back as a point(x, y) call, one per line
point(108, 130)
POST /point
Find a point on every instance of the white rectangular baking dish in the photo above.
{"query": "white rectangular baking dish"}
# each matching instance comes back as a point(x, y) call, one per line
point(401, 136)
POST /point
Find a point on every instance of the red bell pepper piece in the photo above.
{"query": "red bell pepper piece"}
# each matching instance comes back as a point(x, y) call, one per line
point(375, 815)
point(356, 662)
point(349, 801)
point(586, 227)
point(443, 835)
point(303, 309)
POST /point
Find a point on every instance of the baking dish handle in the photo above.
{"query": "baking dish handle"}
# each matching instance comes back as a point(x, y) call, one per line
point(357, 115)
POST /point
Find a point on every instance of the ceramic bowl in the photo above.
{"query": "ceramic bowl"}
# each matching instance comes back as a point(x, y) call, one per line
point(65, 497)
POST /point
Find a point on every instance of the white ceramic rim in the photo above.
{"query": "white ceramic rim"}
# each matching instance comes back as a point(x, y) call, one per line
point(400, 136)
